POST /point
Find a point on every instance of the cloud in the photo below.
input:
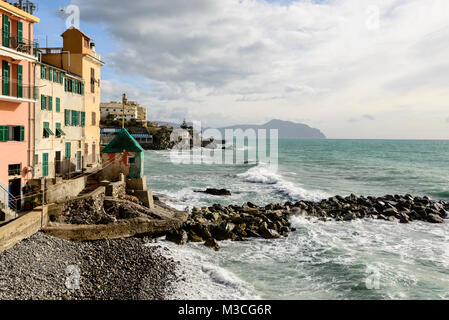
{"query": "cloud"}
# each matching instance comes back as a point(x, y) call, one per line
point(249, 60)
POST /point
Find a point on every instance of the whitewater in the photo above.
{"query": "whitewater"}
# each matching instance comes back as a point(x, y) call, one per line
point(365, 259)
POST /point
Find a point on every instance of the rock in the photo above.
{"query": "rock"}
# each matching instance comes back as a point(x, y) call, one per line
point(433, 218)
point(267, 233)
point(193, 237)
point(223, 231)
point(216, 192)
point(212, 243)
point(179, 237)
point(349, 216)
point(252, 234)
point(391, 211)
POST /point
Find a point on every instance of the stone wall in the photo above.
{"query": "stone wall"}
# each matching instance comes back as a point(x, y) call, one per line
point(65, 190)
point(22, 228)
point(90, 202)
point(119, 229)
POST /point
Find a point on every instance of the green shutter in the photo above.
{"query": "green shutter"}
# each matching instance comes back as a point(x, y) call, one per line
point(5, 79)
point(42, 102)
point(45, 165)
point(42, 72)
point(4, 133)
point(58, 105)
point(68, 150)
point(22, 133)
point(61, 77)
point(83, 119)
point(50, 74)
point(75, 117)
point(82, 88)
point(19, 81)
point(50, 103)
point(19, 31)
point(5, 31)
point(66, 117)
point(55, 76)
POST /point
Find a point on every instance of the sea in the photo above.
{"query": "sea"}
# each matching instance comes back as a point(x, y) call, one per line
point(362, 259)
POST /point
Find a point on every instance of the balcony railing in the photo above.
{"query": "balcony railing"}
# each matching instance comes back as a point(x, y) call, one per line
point(22, 45)
point(15, 90)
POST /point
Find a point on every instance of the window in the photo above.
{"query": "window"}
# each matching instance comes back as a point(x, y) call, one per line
point(92, 80)
point(45, 164)
point(68, 150)
point(58, 105)
point(43, 73)
point(83, 119)
point(59, 132)
point(67, 117)
point(14, 169)
point(50, 103)
point(43, 102)
point(12, 133)
point(94, 119)
point(75, 117)
point(47, 130)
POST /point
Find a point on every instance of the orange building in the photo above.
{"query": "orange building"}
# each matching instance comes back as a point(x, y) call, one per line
point(17, 98)
point(78, 56)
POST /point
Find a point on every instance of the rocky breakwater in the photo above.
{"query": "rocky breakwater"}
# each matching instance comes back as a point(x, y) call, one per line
point(238, 223)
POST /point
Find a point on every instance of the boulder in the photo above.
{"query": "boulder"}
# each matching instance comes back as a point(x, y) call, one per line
point(212, 243)
point(434, 218)
point(268, 233)
point(223, 231)
point(193, 237)
point(178, 236)
point(216, 192)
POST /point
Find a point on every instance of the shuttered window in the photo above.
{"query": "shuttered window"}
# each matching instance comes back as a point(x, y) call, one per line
point(5, 38)
point(50, 74)
point(45, 164)
point(19, 81)
point(58, 105)
point(43, 102)
point(5, 80)
point(50, 103)
point(4, 134)
point(68, 150)
point(42, 72)
point(20, 31)
point(75, 118)
point(22, 133)
point(83, 119)
point(67, 117)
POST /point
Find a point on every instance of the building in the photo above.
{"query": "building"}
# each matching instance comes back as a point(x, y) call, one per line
point(17, 98)
point(141, 135)
point(59, 123)
point(123, 155)
point(78, 57)
point(114, 111)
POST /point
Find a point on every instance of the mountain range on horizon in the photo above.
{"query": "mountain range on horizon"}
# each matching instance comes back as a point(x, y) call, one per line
point(286, 129)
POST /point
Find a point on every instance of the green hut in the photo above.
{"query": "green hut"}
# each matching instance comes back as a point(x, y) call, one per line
point(123, 155)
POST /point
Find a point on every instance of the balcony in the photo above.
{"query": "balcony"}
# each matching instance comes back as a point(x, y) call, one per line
point(18, 47)
point(11, 91)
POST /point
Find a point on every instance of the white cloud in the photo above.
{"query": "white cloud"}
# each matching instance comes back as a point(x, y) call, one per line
point(247, 61)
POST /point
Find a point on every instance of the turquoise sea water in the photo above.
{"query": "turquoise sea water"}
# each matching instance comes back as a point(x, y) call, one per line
point(335, 260)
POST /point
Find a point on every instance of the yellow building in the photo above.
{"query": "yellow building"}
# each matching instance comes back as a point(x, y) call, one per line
point(78, 56)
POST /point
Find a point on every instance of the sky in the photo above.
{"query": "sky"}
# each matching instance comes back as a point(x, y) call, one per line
point(365, 69)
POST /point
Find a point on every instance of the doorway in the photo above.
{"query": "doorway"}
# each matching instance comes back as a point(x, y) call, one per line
point(14, 194)
point(58, 162)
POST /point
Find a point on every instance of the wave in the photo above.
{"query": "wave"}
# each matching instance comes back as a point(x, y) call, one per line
point(201, 277)
point(263, 174)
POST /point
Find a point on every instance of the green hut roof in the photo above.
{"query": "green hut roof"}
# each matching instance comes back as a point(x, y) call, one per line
point(122, 142)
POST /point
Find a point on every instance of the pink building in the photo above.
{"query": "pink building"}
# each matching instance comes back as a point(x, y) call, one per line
point(17, 98)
